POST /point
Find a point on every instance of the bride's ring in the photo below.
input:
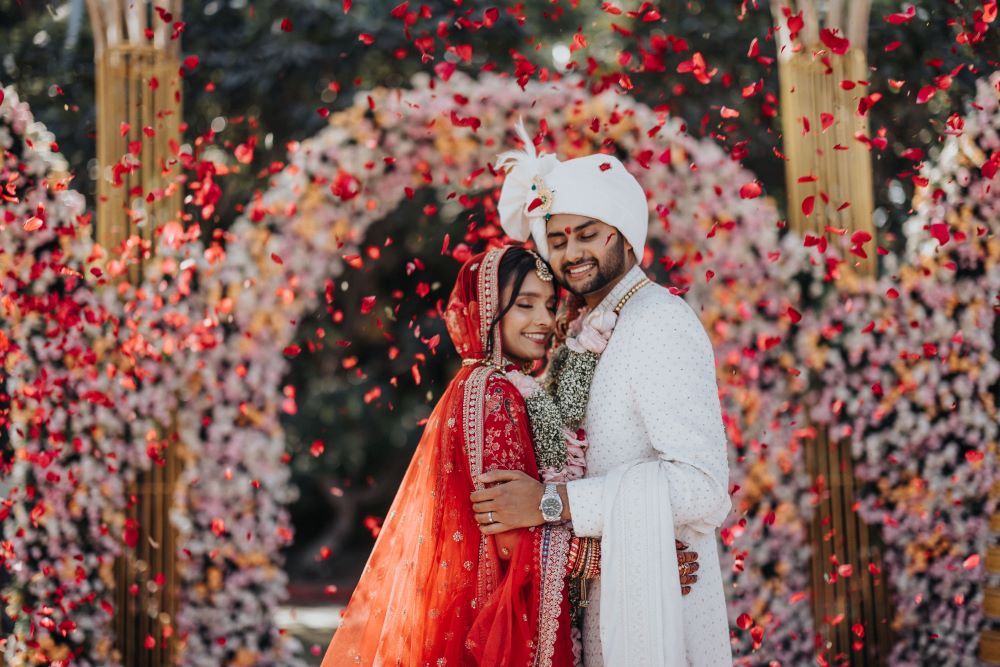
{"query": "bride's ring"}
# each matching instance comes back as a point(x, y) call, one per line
point(490, 517)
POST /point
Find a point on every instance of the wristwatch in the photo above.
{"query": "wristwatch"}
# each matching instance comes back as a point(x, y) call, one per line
point(552, 505)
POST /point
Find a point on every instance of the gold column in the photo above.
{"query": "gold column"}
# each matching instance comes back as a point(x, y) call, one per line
point(138, 117)
point(831, 161)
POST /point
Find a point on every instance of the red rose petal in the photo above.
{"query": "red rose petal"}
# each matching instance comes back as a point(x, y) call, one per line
point(833, 41)
point(750, 190)
point(807, 205)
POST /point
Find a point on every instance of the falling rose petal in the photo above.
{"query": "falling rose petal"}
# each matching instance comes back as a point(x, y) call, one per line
point(974, 456)
point(470, 121)
point(807, 205)
point(726, 112)
point(941, 231)
point(794, 315)
point(149, 642)
point(286, 25)
point(32, 223)
point(897, 19)
point(445, 69)
point(858, 629)
point(991, 167)
point(367, 303)
point(925, 94)
point(826, 119)
point(276, 258)
point(697, 67)
point(316, 448)
point(795, 22)
point(892, 293)
point(1, 95)
point(833, 41)
point(744, 621)
point(366, 39)
point(130, 534)
point(914, 154)
point(750, 190)
point(971, 563)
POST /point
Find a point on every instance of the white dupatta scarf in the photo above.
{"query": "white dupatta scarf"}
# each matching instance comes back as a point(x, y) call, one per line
point(638, 564)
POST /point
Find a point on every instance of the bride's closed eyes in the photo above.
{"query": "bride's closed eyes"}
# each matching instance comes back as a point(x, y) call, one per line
point(526, 329)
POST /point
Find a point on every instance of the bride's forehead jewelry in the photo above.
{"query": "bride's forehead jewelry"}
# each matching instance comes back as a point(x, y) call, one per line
point(541, 268)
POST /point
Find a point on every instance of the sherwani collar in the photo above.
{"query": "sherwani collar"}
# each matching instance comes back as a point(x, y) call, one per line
point(628, 281)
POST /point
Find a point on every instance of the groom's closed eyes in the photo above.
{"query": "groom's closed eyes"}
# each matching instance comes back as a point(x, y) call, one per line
point(584, 232)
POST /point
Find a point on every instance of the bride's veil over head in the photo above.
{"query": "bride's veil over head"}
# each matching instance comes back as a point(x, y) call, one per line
point(431, 568)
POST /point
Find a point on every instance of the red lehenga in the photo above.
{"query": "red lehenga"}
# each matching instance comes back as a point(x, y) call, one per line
point(434, 591)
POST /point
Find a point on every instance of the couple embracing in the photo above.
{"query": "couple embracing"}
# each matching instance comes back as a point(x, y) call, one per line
point(569, 518)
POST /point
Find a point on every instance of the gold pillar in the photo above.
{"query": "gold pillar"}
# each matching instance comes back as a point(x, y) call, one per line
point(828, 163)
point(138, 118)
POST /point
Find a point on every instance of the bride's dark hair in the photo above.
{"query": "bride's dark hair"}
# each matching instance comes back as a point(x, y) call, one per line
point(515, 265)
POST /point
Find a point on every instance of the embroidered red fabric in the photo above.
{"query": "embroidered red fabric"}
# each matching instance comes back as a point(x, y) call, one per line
point(434, 591)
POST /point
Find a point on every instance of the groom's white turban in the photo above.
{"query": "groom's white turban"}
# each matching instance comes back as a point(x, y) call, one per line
point(597, 186)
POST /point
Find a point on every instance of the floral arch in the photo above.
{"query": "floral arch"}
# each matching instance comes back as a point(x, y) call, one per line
point(212, 357)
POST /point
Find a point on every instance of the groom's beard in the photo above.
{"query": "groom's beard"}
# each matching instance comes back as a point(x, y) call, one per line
point(608, 269)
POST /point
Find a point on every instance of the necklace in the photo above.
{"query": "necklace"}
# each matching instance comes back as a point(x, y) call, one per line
point(630, 293)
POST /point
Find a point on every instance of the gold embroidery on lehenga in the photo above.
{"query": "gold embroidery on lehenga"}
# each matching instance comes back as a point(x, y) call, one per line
point(554, 551)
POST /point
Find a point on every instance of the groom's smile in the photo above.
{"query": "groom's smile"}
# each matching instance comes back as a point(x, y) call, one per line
point(580, 272)
point(587, 255)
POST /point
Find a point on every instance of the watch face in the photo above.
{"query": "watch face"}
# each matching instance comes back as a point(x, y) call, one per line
point(551, 506)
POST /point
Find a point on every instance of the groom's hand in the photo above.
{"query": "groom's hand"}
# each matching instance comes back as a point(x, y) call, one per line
point(512, 504)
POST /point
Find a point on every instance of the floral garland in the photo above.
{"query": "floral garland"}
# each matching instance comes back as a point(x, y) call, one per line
point(557, 406)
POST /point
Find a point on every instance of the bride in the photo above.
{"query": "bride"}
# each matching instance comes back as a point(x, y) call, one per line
point(435, 591)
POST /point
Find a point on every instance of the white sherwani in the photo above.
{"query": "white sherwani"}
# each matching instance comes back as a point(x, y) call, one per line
point(656, 467)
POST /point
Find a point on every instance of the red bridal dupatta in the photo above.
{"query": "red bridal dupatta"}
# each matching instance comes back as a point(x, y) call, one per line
point(434, 591)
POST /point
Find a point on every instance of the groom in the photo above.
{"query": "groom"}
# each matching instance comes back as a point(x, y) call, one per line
point(656, 465)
